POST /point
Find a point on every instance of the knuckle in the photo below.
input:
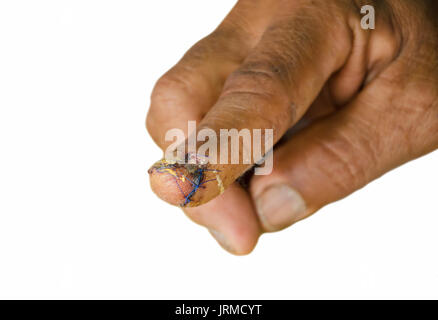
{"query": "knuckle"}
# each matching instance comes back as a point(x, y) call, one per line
point(173, 92)
point(166, 99)
point(261, 78)
point(149, 125)
point(346, 162)
point(411, 114)
point(227, 43)
point(415, 20)
point(420, 107)
point(255, 91)
point(171, 84)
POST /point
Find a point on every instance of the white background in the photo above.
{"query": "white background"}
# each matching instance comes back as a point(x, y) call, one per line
point(78, 219)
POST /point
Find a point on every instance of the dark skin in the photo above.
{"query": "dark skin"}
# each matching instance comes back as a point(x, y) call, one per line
point(366, 102)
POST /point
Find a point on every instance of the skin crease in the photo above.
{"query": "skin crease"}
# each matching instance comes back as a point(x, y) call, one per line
point(366, 102)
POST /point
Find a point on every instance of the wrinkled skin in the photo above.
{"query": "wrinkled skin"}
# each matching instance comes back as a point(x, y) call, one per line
point(366, 101)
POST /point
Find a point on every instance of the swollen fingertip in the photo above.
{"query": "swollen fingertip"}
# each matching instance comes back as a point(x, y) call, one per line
point(165, 184)
point(183, 184)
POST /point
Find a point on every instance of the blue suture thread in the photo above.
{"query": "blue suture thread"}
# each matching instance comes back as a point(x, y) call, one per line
point(199, 174)
point(196, 185)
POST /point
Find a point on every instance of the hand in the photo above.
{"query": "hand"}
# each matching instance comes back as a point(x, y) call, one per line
point(365, 102)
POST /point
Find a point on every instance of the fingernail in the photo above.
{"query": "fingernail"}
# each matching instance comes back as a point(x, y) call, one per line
point(220, 238)
point(279, 206)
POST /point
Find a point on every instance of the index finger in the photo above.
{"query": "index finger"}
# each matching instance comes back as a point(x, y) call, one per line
point(272, 89)
point(190, 88)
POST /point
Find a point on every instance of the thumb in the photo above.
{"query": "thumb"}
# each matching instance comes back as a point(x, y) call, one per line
point(339, 154)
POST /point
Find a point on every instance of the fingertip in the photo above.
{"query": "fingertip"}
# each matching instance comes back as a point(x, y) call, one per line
point(185, 184)
point(167, 185)
point(238, 247)
point(230, 219)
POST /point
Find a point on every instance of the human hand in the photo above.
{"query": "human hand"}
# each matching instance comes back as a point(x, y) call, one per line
point(365, 102)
